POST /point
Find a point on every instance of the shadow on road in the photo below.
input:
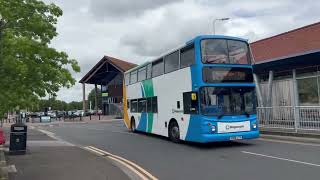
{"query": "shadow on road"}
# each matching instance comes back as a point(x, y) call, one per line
point(211, 145)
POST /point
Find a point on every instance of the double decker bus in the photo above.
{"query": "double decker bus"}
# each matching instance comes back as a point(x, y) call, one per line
point(201, 92)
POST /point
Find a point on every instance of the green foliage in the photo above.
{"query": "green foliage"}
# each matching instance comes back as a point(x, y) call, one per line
point(29, 67)
point(91, 97)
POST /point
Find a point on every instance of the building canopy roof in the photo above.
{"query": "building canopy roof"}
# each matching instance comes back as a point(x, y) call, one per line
point(106, 70)
point(293, 43)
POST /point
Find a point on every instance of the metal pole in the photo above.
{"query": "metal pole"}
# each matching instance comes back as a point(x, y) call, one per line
point(214, 23)
point(214, 26)
point(96, 98)
point(269, 102)
point(84, 97)
point(258, 90)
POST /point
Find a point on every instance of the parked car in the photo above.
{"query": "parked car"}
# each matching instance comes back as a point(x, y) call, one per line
point(52, 114)
point(60, 114)
point(79, 113)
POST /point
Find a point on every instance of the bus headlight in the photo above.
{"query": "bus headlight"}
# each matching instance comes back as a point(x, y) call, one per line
point(213, 128)
point(254, 125)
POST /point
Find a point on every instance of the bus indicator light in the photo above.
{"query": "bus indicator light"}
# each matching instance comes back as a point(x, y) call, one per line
point(193, 96)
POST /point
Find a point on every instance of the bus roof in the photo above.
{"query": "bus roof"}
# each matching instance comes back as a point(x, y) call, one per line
point(187, 43)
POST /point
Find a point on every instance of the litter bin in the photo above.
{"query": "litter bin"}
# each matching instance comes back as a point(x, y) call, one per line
point(18, 139)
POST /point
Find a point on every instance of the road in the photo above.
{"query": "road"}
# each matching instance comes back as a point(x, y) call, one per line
point(253, 159)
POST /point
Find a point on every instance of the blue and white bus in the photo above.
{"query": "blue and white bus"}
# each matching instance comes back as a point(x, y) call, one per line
point(202, 92)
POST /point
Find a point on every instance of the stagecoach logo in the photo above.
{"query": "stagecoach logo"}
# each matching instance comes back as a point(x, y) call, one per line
point(234, 127)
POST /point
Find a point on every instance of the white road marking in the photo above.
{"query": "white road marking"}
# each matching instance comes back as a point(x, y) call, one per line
point(123, 132)
point(125, 162)
point(53, 136)
point(92, 150)
point(289, 142)
point(50, 134)
point(279, 158)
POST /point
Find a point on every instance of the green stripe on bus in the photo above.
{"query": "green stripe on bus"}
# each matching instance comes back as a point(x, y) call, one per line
point(148, 88)
point(150, 122)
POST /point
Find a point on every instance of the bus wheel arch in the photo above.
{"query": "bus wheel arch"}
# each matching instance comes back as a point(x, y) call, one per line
point(133, 124)
point(174, 130)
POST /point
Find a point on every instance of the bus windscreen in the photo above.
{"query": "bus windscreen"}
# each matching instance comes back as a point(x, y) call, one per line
point(220, 101)
point(222, 51)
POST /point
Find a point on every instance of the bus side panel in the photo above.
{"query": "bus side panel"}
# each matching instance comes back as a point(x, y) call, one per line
point(134, 92)
point(169, 89)
point(125, 107)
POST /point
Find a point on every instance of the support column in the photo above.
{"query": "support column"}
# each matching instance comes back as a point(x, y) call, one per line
point(296, 110)
point(269, 98)
point(258, 90)
point(96, 98)
point(84, 97)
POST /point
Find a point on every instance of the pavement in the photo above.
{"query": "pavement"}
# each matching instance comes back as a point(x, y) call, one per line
point(263, 158)
point(54, 159)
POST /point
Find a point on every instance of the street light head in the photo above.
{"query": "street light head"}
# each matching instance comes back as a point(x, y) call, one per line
point(214, 23)
point(224, 19)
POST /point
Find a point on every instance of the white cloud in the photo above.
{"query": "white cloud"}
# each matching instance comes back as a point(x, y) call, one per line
point(142, 29)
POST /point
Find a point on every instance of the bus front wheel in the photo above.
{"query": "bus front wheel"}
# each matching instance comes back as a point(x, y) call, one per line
point(174, 132)
point(133, 125)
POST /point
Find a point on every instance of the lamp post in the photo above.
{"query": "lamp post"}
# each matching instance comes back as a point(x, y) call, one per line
point(214, 23)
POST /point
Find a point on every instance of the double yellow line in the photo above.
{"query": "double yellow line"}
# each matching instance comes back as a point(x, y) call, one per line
point(139, 171)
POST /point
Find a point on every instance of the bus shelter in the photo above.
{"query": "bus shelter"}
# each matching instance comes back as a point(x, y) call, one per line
point(108, 74)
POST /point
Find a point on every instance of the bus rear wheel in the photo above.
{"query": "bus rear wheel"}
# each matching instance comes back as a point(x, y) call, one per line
point(174, 132)
point(133, 125)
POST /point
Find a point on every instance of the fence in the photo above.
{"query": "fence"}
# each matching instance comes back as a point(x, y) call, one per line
point(290, 117)
point(115, 109)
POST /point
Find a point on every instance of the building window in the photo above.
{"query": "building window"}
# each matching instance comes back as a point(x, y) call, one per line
point(157, 68)
point(171, 62)
point(308, 91)
point(308, 71)
point(142, 72)
point(133, 77)
point(187, 56)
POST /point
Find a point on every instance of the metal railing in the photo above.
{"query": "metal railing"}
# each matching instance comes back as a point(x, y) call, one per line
point(290, 117)
point(115, 109)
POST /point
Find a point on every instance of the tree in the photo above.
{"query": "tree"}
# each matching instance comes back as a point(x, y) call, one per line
point(30, 68)
point(91, 97)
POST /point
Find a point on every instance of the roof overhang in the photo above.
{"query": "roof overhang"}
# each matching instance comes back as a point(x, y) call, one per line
point(104, 71)
point(311, 58)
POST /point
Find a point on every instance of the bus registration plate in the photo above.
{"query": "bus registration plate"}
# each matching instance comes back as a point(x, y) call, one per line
point(235, 138)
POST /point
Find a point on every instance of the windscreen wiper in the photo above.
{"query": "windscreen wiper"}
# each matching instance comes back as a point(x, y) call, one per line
point(220, 115)
point(246, 113)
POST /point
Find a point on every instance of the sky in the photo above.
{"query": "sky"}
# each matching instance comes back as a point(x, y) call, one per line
point(140, 30)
